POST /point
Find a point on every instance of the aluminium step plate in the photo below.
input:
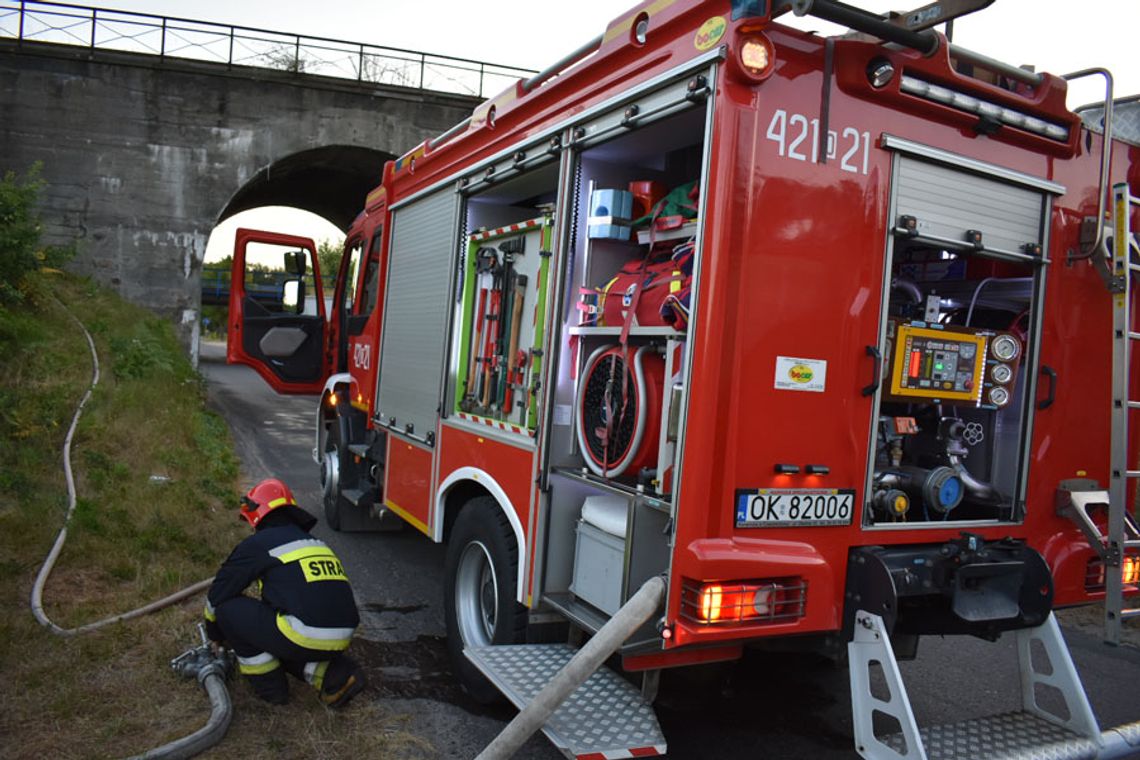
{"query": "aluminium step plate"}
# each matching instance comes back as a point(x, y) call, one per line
point(605, 718)
point(1009, 736)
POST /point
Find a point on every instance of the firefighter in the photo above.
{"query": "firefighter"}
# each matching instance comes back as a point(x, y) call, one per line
point(306, 615)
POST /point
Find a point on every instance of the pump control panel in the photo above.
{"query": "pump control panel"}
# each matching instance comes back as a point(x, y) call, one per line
point(947, 364)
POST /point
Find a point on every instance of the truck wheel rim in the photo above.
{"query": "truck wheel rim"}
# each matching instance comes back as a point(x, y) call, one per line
point(476, 595)
point(330, 472)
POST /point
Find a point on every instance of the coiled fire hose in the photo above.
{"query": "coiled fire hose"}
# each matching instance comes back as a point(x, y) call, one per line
point(209, 668)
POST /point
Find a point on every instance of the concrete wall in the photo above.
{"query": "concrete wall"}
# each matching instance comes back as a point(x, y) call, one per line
point(142, 160)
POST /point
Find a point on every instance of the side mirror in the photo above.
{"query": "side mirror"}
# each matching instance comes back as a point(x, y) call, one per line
point(293, 296)
point(296, 262)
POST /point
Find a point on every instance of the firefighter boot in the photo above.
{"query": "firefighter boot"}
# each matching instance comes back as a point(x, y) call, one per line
point(343, 680)
point(272, 687)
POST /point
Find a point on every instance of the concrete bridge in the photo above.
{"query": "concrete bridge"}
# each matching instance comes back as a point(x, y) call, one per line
point(149, 137)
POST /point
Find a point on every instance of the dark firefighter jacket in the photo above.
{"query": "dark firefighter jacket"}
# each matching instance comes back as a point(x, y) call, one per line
point(300, 578)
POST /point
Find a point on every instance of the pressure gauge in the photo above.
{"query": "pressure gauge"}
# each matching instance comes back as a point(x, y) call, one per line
point(1001, 373)
point(1005, 347)
point(999, 396)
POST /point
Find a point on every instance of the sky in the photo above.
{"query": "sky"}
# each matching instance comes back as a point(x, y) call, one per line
point(1048, 34)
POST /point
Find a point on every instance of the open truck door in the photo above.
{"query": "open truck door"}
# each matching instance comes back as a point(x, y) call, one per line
point(277, 319)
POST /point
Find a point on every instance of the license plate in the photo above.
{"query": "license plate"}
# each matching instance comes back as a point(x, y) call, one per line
point(781, 507)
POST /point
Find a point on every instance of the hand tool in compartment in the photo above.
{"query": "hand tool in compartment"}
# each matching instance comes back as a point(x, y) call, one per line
point(489, 340)
point(517, 299)
point(486, 262)
point(499, 373)
point(516, 389)
point(508, 325)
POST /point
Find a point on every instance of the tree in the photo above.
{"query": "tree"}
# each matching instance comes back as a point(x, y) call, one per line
point(328, 257)
point(20, 228)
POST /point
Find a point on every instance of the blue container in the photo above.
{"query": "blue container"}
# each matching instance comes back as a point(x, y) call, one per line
point(610, 214)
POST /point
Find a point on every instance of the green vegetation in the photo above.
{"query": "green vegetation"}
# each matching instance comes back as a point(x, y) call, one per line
point(156, 477)
point(20, 250)
point(156, 480)
point(328, 256)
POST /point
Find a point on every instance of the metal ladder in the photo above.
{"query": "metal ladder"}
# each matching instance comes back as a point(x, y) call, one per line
point(1123, 533)
point(1080, 498)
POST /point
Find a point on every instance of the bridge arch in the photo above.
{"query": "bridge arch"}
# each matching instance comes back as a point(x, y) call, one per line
point(330, 181)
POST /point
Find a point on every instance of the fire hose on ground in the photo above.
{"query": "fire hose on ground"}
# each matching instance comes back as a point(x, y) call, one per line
point(202, 662)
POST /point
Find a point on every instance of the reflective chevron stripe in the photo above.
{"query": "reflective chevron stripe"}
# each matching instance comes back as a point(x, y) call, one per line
point(296, 550)
point(257, 665)
point(313, 637)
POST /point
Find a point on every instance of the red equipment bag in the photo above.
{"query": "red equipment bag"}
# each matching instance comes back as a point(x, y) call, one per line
point(664, 298)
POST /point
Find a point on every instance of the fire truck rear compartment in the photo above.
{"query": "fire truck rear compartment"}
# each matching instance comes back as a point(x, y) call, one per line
point(962, 301)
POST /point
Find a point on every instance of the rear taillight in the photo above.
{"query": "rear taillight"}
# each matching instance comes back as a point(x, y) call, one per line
point(771, 600)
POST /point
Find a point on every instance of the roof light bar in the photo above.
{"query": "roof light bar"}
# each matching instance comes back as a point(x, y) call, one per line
point(984, 109)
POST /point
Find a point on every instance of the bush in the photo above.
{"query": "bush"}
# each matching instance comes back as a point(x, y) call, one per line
point(20, 228)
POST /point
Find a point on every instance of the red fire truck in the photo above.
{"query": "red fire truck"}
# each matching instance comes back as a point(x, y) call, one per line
point(828, 333)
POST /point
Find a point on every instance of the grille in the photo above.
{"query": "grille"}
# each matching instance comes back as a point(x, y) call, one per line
point(778, 600)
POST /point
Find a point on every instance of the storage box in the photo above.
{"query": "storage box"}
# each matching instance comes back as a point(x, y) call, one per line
point(617, 203)
point(609, 214)
point(598, 560)
point(599, 552)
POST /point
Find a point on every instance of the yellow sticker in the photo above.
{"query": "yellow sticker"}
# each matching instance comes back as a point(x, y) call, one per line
point(326, 568)
point(800, 374)
point(710, 33)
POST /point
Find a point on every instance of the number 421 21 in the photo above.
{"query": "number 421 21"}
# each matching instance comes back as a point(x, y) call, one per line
point(797, 137)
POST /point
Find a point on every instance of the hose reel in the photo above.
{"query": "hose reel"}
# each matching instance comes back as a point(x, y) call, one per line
point(618, 411)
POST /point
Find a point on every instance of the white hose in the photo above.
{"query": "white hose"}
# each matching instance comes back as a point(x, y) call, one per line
point(53, 555)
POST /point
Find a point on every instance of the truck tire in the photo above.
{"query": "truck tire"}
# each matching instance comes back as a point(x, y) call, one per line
point(332, 469)
point(479, 591)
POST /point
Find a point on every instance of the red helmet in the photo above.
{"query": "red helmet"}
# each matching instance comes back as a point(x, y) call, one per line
point(263, 498)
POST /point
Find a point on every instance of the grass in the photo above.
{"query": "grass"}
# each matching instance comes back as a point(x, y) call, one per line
point(156, 477)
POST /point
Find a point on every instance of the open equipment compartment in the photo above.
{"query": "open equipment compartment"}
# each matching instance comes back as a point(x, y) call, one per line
point(503, 308)
point(615, 389)
point(962, 312)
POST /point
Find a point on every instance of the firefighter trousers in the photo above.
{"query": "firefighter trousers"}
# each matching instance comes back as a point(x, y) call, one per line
point(265, 655)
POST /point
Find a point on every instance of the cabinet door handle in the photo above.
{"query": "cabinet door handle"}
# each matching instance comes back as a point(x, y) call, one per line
point(1050, 373)
point(877, 375)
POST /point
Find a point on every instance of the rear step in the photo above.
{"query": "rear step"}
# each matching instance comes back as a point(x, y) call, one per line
point(1034, 731)
point(605, 717)
point(589, 712)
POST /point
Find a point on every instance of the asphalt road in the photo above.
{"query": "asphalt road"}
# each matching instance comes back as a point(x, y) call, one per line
point(769, 706)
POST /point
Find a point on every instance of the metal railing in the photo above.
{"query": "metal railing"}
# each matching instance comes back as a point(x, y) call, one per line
point(168, 37)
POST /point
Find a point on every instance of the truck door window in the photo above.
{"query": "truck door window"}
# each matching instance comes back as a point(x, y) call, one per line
point(279, 279)
point(349, 271)
point(371, 277)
